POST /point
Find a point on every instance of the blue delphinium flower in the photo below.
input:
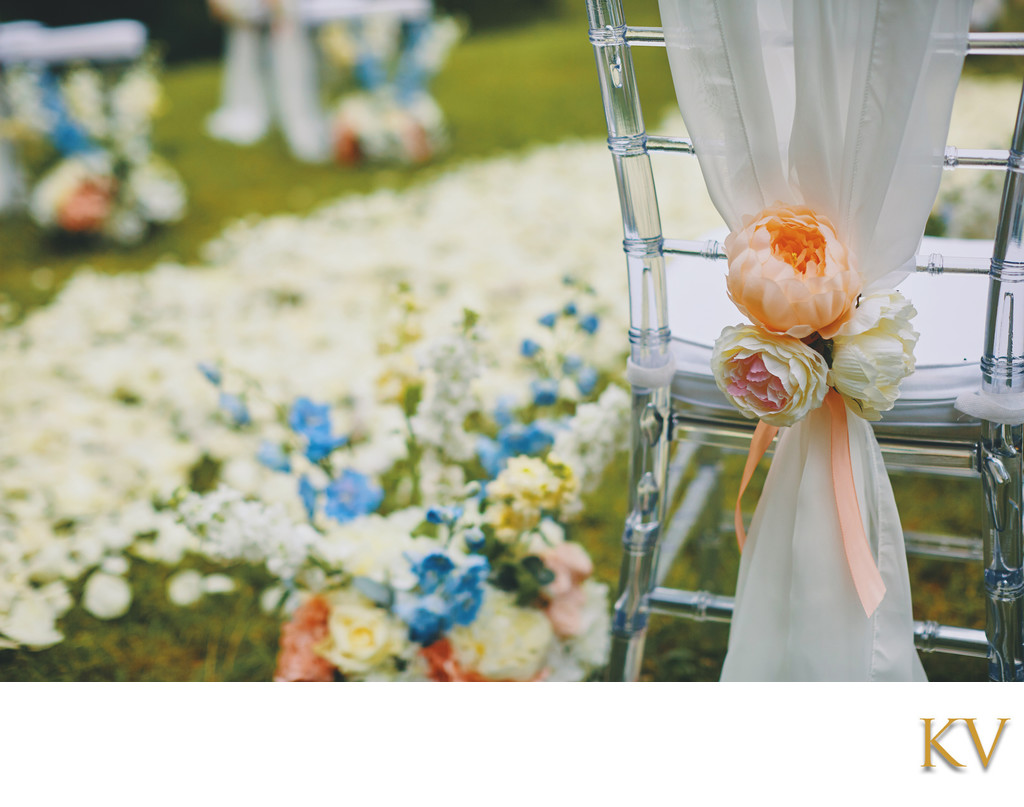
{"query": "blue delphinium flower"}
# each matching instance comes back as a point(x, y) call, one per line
point(464, 590)
point(274, 457)
point(305, 416)
point(211, 371)
point(431, 571)
point(236, 408)
point(474, 538)
point(529, 348)
point(309, 495)
point(427, 617)
point(548, 320)
point(586, 380)
point(590, 323)
point(533, 438)
point(545, 391)
point(351, 495)
point(570, 309)
point(444, 515)
point(313, 421)
point(503, 410)
point(321, 445)
point(571, 364)
point(491, 455)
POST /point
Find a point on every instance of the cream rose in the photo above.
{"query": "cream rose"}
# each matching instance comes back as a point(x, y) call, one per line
point(789, 272)
point(873, 353)
point(504, 642)
point(360, 636)
point(777, 379)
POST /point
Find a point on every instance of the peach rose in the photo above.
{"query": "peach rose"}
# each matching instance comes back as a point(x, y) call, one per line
point(87, 208)
point(298, 661)
point(566, 600)
point(790, 274)
point(777, 379)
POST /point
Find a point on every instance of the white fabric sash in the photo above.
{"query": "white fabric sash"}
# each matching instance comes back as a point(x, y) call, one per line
point(843, 107)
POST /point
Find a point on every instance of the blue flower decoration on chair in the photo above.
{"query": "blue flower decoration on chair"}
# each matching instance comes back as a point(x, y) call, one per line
point(351, 495)
point(590, 323)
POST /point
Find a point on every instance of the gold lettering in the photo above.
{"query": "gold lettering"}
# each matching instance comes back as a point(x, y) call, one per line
point(977, 740)
point(933, 742)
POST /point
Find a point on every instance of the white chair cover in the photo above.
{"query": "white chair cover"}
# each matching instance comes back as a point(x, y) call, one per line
point(111, 41)
point(243, 116)
point(297, 86)
point(843, 107)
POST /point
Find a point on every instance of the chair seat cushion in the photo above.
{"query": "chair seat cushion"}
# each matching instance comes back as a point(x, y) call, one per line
point(951, 320)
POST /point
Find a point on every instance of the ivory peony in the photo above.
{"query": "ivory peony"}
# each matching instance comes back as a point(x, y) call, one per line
point(790, 274)
point(777, 379)
point(505, 642)
point(873, 353)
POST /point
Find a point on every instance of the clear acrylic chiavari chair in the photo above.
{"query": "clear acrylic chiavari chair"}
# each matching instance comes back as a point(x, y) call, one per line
point(924, 434)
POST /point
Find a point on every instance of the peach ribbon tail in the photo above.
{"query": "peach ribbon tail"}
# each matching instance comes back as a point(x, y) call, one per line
point(866, 577)
point(763, 436)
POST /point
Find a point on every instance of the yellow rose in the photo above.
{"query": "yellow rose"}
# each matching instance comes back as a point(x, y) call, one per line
point(360, 636)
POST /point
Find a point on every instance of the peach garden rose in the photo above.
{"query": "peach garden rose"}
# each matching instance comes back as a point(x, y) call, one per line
point(790, 274)
point(777, 379)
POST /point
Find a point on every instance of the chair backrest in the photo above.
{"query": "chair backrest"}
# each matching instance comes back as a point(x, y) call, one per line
point(113, 41)
point(999, 446)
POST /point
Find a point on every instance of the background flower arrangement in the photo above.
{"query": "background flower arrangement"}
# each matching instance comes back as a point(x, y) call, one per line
point(449, 561)
point(391, 116)
point(95, 172)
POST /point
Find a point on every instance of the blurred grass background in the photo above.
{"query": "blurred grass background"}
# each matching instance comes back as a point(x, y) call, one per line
point(504, 88)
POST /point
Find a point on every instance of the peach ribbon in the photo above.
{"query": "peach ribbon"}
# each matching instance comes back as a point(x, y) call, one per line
point(866, 577)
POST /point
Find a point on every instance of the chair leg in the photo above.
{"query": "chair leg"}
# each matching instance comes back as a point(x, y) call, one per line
point(1001, 473)
point(648, 476)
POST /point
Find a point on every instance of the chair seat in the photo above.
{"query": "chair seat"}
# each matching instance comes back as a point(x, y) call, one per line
point(951, 321)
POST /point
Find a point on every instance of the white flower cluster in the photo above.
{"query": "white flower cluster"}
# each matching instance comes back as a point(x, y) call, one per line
point(450, 364)
point(596, 433)
point(233, 528)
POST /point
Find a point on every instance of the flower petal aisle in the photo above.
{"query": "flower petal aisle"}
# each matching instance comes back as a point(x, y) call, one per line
point(107, 417)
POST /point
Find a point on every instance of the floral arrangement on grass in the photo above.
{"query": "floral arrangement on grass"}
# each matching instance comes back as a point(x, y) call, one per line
point(99, 175)
point(436, 548)
point(392, 117)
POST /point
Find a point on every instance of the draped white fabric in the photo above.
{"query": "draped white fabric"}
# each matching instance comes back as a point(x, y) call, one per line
point(244, 113)
point(843, 107)
point(269, 75)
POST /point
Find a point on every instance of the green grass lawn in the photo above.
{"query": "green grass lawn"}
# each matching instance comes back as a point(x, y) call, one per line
point(502, 91)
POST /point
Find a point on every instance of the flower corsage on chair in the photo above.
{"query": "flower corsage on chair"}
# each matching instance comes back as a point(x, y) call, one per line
point(815, 339)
